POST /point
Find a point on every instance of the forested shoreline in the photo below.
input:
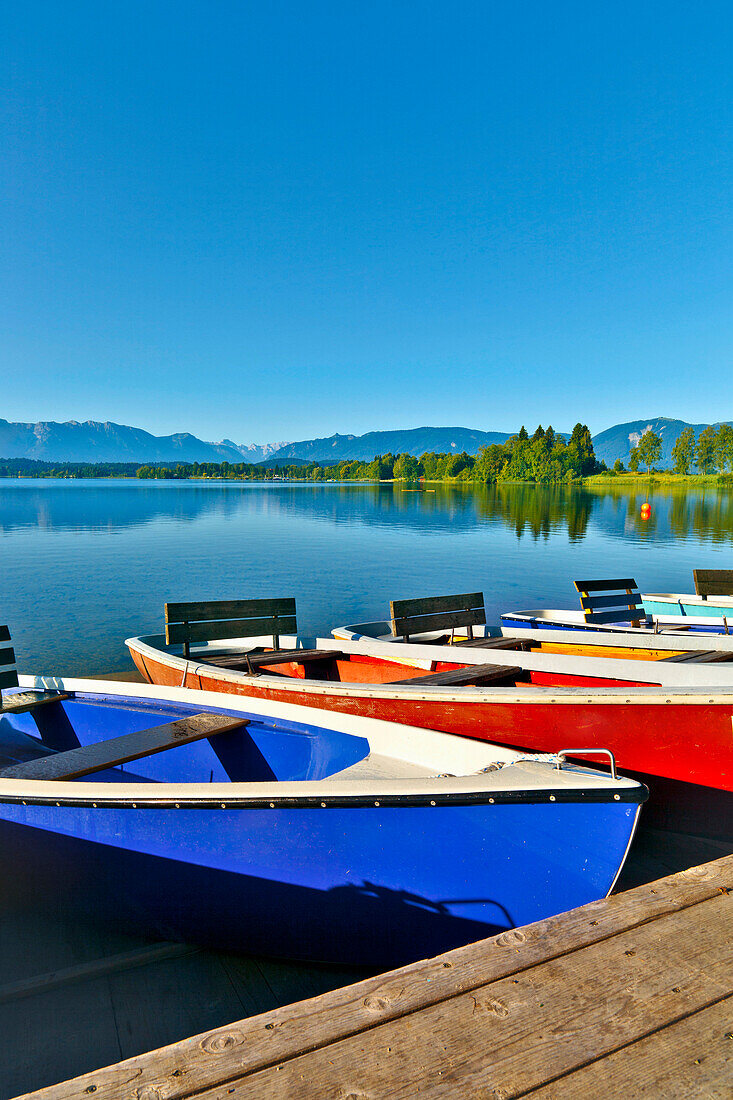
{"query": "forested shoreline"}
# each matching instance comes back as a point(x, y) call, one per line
point(543, 458)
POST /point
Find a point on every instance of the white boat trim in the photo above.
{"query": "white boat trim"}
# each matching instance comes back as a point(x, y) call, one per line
point(465, 757)
point(706, 685)
point(675, 641)
point(673, 675)
point(689, 598)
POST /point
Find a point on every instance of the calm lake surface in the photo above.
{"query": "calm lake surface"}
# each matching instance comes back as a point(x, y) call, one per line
point(85, 564)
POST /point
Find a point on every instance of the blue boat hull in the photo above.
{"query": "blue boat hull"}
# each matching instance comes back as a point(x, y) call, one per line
point(349, 879)
point(365, 886)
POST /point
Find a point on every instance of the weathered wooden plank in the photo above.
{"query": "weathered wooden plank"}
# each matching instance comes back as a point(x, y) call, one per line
point(621, 615)
point(437, 613)
point(159, 1004)
point(517, 644)
point(295, 656)
point(502, 1039)
point(95, 968)
point(23, 701)
point(8, 678)
point(244, 1047)
point(446, 620)
point(680, 658)
point(242, 662)
point(235, 662)
point(621, 599)
point(472, 674)
point(46, 1038)
point(605, 586)
point(705, 656)
point(120, 750)
point(229, 609)
point(712, 657)
point(431, 605)
point(691, 1057)
point(229, 628)
point(249, 976)
point(713, 582)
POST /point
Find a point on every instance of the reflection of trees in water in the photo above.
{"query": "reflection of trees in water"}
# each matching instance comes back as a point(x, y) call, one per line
point(525, 509)
point(706, 514)
point(537, 510)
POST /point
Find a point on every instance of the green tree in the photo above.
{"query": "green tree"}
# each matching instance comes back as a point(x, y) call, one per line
point(618, 467)
point(490, 462)
point(649, 449)
point(683, 452)
point(706, 447)
point(406, 468)
point(724, 447)
point(456, 464)
point(634, 460)
point(580, 451)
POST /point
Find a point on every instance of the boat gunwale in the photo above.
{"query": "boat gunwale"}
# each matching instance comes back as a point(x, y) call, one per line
point(99, 797)
point(690, 597)
point(533, 693)
point(572, 782)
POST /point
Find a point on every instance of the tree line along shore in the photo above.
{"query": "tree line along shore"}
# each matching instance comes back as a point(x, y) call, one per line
point(542, 458)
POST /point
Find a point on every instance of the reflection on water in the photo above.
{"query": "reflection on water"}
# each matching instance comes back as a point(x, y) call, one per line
point(84, 564)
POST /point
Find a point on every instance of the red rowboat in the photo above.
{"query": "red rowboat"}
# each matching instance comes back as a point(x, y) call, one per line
point(665, 735)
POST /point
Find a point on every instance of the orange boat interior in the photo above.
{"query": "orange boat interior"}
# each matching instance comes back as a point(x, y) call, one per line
point(356, 668)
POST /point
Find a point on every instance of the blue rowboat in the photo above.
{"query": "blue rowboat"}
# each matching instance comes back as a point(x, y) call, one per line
point(618, 606)
point(288, 831)
point(661, 621)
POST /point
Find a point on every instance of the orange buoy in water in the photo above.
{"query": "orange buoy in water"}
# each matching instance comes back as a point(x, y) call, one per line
point(646, 510)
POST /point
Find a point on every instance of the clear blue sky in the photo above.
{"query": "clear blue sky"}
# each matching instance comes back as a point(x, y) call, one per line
point(279, 220)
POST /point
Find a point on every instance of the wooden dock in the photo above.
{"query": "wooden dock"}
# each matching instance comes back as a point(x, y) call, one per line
point(629, 996)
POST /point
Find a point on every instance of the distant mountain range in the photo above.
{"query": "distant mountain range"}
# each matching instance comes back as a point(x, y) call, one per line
point(93, 441)
point(609, 445)
point(413, 441)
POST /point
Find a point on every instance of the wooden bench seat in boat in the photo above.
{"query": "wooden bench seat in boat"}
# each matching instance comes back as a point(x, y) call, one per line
point(519, 645)
point(22, 701)
point(74, 763)
point(437, 613)
point(476, 675)
point(704, 656)
point(713, 582)
point(187, 623)
point(621, 603)
point(253, 661)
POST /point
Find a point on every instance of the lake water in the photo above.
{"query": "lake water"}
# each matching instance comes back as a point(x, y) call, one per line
point(85, 564)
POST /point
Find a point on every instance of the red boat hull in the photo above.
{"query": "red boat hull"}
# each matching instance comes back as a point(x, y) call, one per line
point(681, 741)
